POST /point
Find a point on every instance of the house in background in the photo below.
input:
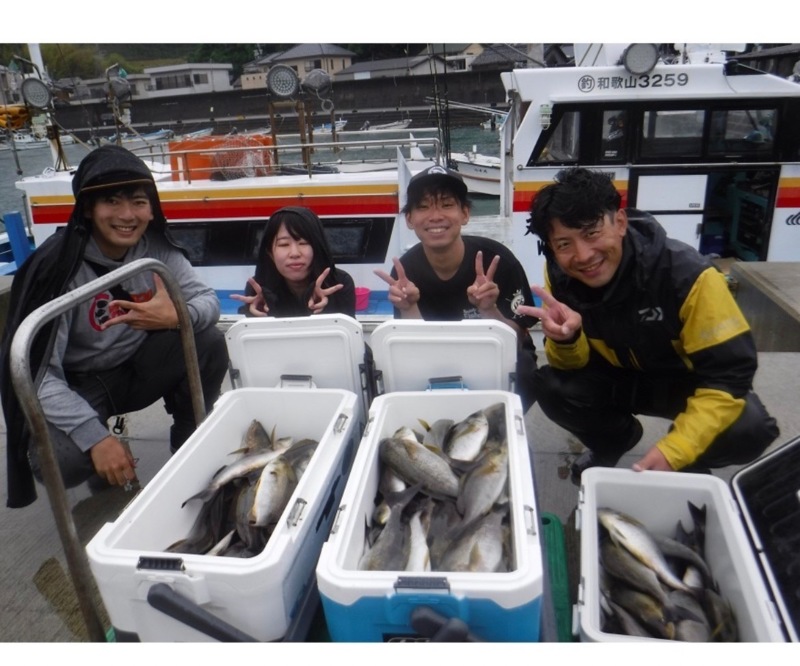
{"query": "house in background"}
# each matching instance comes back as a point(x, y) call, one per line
point(458, 57)
point(302, 58)
point(188, 79)
point(393, 67)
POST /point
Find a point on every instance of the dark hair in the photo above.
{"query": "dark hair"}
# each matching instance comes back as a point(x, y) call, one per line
point(301, 223)
point(578, 198)
point(436, 187)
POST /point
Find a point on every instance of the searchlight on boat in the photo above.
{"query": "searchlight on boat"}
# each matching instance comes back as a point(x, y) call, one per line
point(640, 59)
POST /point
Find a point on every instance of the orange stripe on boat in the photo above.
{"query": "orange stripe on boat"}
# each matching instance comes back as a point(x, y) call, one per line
point(525, 192)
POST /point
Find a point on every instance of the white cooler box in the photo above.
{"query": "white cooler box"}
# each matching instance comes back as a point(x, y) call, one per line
point(153, 595)
point(412, 356)
point(321, 351)
point(741, 544)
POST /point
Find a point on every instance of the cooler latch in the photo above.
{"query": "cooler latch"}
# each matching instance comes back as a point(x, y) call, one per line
point(422, 583)
point(160, 564)
point(296, 381)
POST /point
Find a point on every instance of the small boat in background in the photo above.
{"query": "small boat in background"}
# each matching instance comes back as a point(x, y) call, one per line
point(325, 128)
point(481, 173)
point(25, 140)
point(385, 127)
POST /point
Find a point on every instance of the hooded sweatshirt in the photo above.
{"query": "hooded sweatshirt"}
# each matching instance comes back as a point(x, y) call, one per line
point(73, 341)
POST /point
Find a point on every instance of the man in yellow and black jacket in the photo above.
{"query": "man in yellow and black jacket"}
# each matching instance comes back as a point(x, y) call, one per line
point(639, 323)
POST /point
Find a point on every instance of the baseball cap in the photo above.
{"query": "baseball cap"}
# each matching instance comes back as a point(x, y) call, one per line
point(436, 176)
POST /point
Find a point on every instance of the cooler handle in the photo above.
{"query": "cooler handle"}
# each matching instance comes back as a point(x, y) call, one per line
point(440, 629)
point(163, 598)
point(454, 381)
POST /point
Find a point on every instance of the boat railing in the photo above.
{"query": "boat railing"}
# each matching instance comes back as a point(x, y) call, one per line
point(230, 162)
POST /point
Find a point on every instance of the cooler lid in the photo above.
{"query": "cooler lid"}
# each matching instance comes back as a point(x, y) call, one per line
point(323, 351)
point(768, 494)
point(415, 355)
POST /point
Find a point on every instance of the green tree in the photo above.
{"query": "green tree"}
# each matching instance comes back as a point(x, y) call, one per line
point(234, 54)
point(71, 61)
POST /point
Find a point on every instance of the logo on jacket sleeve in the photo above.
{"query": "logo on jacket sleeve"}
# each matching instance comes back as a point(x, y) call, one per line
point(651, 314)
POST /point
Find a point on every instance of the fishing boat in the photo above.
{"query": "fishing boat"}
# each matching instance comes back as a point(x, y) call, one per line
point(218, 191)
point(26, 140)
point(383, 127)
point(704, 143)
point(327, 128)
point(480, 172)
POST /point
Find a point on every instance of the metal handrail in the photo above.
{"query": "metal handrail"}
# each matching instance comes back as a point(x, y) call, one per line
point(25, 390)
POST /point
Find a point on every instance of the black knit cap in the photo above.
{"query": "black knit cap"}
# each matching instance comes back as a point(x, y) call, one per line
point(109, 166)
point(112, 166)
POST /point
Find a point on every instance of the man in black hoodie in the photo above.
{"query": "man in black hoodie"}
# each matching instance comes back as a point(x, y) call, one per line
point(116, 353)
point(639, 323)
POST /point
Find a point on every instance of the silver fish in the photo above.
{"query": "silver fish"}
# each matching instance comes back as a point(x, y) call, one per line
point(248, 464)
point(466, 438)
point(256, 439)
point(419, 557)
point(721, 617)
point(623, 566)
point(646, 610)
point(415, 463)
point(483, 485)
point(496, 416)
point(272, 491)
point(628, 623)
point(436, 434)
point(481, 548)
point(629, 533)
point(674, 548)
point(391, 548)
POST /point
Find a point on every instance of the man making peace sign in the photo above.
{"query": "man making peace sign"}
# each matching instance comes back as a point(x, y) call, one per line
point(448, 276)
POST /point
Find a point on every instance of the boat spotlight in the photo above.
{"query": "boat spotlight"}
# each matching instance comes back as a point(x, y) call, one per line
point(640, 59)
point(36, 93)
point(282, 81)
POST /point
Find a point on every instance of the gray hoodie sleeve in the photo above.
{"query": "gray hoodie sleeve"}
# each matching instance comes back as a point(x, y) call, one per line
point(62, 406)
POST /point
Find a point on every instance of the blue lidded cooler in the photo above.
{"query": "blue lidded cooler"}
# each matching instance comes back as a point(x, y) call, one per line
point(430, 371)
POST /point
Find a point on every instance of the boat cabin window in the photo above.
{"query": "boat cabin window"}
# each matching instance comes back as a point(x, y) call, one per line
point(742, 132)
point(563, 141)
point(615, 129)
point(672, 134)
point(234, 242)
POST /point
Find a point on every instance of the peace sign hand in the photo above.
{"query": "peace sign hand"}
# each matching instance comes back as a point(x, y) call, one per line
point(256, 304)
point(403, 293)
point(319, 299)
point(560, 323)
point(483, 293)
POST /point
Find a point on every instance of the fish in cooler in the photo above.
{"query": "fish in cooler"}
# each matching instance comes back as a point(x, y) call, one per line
point(458, 521)
point(658, 586)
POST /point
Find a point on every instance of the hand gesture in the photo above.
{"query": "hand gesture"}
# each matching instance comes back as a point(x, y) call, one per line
point(403, 293)
point(484, 291)
point(559, 322)
point(319, 299)
point(157, 313)
point(256, 304)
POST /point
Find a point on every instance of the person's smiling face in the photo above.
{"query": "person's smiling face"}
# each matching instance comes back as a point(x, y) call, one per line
point(593, 253)
point(292, 257)
point(437, 220)
point(119, 220)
